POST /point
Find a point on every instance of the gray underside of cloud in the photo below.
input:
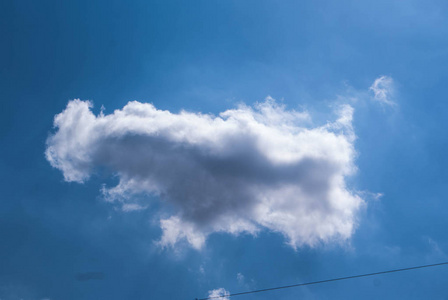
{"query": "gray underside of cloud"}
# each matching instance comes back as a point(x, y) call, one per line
point(248, 169)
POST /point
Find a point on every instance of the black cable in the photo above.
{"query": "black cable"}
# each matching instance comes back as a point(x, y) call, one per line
point(326, 280)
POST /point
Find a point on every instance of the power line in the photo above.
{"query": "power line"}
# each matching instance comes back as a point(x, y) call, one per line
point(326, 280)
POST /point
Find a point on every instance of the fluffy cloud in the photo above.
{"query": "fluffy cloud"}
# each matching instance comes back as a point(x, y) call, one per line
point(220, 293)
point(247, 169)
point(382, 89)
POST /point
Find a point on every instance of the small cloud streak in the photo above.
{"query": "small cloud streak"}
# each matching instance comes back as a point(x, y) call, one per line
point(127, 207)
point(383, 90)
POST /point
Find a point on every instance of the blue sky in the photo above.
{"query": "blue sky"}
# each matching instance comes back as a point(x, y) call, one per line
point(66, 239)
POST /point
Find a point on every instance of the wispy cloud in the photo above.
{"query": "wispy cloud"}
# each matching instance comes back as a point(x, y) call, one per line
point(383, 90)
point(240, 278)
point(247, 169)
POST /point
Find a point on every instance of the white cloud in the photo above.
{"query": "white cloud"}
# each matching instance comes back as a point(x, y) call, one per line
point(220, 293)
point(239, 172)
point(383, 90)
